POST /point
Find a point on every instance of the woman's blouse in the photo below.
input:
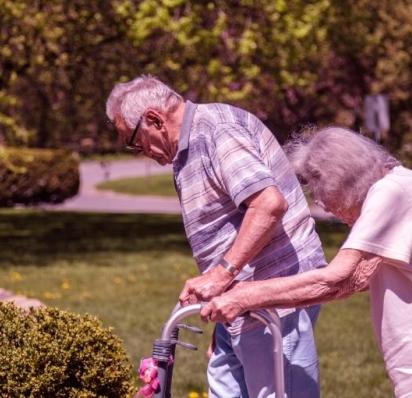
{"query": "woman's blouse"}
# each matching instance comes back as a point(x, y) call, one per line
point(385, 228)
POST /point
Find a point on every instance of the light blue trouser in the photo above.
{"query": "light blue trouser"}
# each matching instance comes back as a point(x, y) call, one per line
point(242, 366)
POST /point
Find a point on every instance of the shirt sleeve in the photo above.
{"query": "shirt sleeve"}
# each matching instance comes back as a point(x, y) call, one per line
point(384, 227)
point(238, 163)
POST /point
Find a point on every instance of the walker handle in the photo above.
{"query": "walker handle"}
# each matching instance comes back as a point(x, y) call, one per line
point(269, 318)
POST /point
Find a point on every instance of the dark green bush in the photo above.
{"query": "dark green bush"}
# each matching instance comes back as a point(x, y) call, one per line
point(29, 176)
point(54, 353)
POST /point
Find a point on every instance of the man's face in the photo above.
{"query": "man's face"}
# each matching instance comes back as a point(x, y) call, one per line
point(151, 139)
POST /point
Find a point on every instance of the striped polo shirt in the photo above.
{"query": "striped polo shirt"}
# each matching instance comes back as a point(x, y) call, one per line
point(225, 155)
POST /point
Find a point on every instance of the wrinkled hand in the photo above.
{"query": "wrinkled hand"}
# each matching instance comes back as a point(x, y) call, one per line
point(206, 286)
point(226, 307)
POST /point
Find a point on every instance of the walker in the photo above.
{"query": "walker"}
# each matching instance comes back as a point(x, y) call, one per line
point(164, 348)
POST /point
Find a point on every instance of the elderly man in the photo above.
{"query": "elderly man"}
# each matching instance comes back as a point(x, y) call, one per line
point(368, 189)
point(245, 217)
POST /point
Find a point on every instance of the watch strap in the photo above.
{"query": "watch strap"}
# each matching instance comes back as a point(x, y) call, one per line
point(229, 267)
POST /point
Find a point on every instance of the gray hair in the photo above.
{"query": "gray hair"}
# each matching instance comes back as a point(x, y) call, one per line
point(131, 99)
point(337, 164)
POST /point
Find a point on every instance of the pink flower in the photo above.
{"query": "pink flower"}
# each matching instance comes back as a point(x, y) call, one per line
point(148, 374)
point(145, 392)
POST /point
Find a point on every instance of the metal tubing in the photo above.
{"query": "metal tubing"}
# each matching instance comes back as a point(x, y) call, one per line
point(268, 318)
point(163, 375)
point(163, 352)
point(170, 332)
point(170, 365)
point(272, 321)
point(176, 317)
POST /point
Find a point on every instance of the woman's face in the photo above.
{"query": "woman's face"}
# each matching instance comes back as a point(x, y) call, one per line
point(348, 216)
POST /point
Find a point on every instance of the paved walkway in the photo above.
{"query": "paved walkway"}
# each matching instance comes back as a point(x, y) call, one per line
point(90, 199)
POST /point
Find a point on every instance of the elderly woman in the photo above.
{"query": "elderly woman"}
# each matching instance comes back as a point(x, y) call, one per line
point(364, 186)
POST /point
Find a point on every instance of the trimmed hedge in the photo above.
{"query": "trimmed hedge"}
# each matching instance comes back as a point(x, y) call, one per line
point(30, 176)
point(54, 353)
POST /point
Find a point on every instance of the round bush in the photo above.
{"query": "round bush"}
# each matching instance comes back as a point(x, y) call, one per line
point(54, 353)
point(29, 176)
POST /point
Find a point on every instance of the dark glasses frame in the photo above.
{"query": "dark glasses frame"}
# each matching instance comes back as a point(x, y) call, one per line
point(131, 145)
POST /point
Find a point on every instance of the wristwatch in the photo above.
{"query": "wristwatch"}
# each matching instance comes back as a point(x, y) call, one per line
point(229, 267)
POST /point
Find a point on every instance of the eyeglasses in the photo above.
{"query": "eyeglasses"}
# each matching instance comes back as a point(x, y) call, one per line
point(132, 145)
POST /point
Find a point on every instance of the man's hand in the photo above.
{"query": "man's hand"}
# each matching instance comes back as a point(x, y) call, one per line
point(206, 286)
point(228, 306)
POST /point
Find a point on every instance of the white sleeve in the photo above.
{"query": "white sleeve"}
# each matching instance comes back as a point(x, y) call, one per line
point(385, 224)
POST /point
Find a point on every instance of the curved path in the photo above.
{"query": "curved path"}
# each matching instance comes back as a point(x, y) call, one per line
point(92, 200)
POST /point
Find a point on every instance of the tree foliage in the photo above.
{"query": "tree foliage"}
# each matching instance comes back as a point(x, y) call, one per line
point(58, 60)
point(253, 54)
point(290, 62)
point(372, 41)
point(31, 176)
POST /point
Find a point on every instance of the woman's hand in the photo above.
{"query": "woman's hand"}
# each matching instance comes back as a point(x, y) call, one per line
point(228, 306)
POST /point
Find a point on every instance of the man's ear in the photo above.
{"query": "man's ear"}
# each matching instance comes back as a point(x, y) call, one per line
point(154, 118)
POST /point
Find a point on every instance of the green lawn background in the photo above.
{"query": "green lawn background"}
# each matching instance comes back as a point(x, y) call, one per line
point(128, 270)
point(161, 185)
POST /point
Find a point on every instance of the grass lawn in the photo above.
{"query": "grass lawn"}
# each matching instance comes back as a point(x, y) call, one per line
point(108, 157)
point(161, 185)
point(128, 270)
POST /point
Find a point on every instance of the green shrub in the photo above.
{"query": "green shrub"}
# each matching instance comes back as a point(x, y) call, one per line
point(29, 176)
point(54, 353)
point(406, 150)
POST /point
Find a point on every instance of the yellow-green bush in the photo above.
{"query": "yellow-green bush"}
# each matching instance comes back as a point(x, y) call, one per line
point(29, 176)
point(54, 353)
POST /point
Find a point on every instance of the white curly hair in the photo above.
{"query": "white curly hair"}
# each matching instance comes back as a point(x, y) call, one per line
point(337, 164)
point(131, 99)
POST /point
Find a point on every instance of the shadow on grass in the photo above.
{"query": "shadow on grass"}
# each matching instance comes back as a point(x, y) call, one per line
point(39, 237)
point(26, 236)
